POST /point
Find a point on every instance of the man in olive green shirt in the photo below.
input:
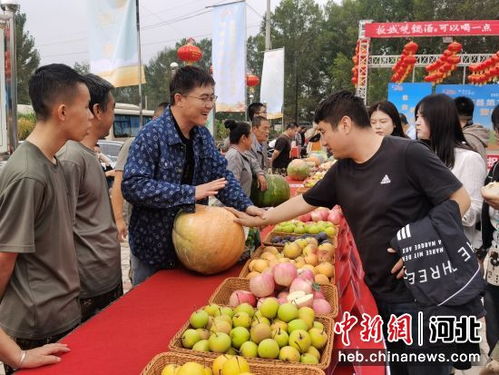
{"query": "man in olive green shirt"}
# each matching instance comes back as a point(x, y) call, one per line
point(39, 283)
point(96, 238)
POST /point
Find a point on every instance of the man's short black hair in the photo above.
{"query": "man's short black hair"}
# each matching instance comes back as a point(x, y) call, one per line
point(99, 91)
point(50, 82)
point(257, 121)
point(291, 125)
point(465, 106)
point(188, 78)
point(342, 103)
point(253, 108)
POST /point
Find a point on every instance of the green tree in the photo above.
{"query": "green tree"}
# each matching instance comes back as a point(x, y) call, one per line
point(27, 58)
point(82, 68)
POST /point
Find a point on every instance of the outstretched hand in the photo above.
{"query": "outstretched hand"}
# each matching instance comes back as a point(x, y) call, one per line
point(44, 355)
point(245, 219)
point(398, 268)
point(210, 188)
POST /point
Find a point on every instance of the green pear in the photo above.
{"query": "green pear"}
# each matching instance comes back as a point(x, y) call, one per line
point(199, 319)
point(287, 312)
point(300, 339)
point(309, 359)
point(268, 348)
point(297, 324)
point(201, 346)
point(281, 337)
point(249, 349)
point(219, 342)
point(241, 319)
point(318, 338)
point(239, 336)
point(289, 354)
point(190, 337)
point(269, 307)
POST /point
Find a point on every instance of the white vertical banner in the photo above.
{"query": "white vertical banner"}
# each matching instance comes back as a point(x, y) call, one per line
point(229, 56)
point(272, 86)
point(113, 41)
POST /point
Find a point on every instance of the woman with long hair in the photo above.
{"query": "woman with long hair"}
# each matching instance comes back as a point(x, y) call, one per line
point(437, 124)
point(385, 119)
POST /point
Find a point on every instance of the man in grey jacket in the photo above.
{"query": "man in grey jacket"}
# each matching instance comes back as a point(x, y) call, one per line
point(476, 135)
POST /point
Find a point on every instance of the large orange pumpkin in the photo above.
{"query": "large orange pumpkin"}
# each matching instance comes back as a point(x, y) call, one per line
point(208, 241)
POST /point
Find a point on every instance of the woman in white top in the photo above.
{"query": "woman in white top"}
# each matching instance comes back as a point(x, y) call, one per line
point(437, 123)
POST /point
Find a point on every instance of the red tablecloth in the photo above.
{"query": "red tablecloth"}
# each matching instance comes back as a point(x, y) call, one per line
point(123, 338)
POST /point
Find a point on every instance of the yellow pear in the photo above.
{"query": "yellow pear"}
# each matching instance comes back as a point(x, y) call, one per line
point(191, 368)
point(170, 369)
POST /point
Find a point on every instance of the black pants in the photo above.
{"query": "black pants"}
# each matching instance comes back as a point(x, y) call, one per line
point(385, 311)
point(491, 302)
point(91, 306)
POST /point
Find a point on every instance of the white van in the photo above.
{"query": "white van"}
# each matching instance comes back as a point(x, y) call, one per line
point(126, 121)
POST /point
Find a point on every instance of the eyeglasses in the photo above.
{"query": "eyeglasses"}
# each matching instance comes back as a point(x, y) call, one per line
point(205, 99)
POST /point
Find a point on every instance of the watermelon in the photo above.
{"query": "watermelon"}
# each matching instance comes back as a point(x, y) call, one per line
point(298, 169)
point(276, 193)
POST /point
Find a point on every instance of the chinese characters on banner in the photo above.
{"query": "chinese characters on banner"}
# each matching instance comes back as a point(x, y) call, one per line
point(442, 329)
point(432, 28)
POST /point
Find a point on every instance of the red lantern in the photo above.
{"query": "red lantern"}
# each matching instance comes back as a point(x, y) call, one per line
point(355, 80)
point(455, 47)
point(454, 60)
point(189, 52)
point(411, 60)
point(252, 80)
point(447, 53)
point(411, 47)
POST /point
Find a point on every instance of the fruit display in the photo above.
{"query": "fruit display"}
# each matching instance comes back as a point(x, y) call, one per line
point(310, 227)
point(200, 244)
point(322, 298)
point(272, 331)
point(315, 178)
point(298, 169)
point(222, 365)
point(277, 192)
point(302, 254)
point(165, 363)
point(323, 214)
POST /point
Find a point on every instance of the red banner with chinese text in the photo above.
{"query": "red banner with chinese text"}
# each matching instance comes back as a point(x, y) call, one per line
point(432, 28)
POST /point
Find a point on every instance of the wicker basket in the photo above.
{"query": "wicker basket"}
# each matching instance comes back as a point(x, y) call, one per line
point(156, 365)
point(176, 347)
point(224, 290)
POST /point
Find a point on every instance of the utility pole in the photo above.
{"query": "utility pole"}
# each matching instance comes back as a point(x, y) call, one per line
point(268, 44)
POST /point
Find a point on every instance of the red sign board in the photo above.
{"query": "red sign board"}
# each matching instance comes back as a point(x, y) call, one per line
point(491, 160)
point(432, 28)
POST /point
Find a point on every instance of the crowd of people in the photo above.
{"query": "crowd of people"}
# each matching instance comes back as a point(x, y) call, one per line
point(60, 230)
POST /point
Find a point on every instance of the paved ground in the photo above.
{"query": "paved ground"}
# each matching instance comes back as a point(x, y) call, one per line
point(125, 267)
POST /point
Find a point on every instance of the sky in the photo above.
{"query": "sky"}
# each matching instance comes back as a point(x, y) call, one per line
point(60, 27)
